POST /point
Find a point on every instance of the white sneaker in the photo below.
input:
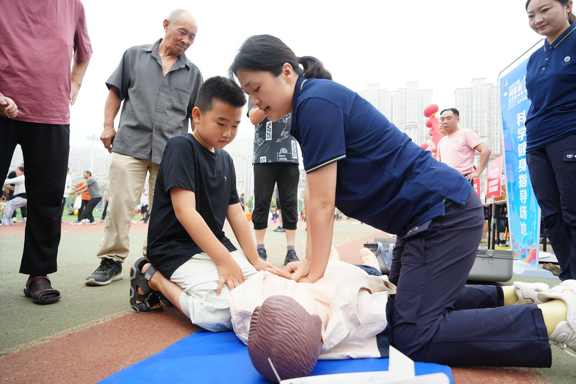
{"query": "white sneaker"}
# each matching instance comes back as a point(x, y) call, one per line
point(528, 292)
point(24, 220)
point(13, 220)
point(564, 334)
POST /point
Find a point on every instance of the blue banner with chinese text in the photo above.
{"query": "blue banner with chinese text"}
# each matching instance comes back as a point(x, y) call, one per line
point(523, 210)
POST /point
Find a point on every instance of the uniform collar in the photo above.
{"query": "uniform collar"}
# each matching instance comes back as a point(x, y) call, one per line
point(560, 38)
point(297, 90)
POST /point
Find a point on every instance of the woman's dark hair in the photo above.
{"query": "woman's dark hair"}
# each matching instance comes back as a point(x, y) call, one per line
point(220, 88)
point(571, 16)
point(269, 53)
point(21, 168)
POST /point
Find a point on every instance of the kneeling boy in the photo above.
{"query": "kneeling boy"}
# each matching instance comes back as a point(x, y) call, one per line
point(194, 265)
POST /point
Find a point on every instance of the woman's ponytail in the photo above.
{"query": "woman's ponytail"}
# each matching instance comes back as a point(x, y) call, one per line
point(269, 53)
point(313, 68)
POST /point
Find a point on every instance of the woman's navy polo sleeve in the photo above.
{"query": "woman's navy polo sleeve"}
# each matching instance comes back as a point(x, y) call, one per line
point(321, 129)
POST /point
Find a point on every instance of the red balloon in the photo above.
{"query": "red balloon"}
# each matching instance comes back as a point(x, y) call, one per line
point(430, 110)
point(428, 123)
point(424, 146)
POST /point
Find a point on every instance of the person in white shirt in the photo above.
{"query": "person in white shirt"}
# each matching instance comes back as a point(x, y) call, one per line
point(19, 200)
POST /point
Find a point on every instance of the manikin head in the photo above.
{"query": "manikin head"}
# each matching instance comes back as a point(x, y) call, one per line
point(284, 335)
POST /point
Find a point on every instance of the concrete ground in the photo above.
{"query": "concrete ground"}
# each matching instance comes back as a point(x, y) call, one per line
point(92, 333)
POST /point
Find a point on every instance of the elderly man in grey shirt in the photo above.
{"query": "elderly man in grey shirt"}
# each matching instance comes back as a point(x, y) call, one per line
point(158, 85)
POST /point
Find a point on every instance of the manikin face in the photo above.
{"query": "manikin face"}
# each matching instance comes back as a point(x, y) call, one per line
point(217, 127)
point(271, 94)
point(448, 122)
point(549, 17)
point(180, 34)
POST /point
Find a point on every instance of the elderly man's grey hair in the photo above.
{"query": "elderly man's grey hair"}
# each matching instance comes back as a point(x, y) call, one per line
point(176, 14)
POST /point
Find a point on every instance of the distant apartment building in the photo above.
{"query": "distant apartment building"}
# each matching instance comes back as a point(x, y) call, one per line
point(241, 150)
point(403, 107)
point(479, 107)
point(93, 158)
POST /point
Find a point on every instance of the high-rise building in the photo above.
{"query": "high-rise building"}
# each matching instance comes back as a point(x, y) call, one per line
point(479, 107)
point(241, 150)
point(93, 158)
point(403, 107)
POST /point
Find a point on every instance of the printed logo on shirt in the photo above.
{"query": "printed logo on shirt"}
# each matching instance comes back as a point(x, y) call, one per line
point(262, 159)
point(294, 150)
point(283, 155)
point(567, 60)
point(268, 131)
point(569, 155)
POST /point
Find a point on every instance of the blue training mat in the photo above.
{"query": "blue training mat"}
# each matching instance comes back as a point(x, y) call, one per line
point(219, 357)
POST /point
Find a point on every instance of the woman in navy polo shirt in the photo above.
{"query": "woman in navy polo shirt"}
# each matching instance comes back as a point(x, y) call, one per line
point(551, 125)
point(358, 161)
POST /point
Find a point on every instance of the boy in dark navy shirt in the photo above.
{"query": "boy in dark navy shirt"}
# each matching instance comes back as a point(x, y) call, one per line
point(194, 265)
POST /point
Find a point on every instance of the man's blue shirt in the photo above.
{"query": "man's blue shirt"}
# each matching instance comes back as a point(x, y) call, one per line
point(383, 179)
point(551, 86)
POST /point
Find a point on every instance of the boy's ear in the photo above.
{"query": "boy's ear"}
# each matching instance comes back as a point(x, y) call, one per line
point(196, 115)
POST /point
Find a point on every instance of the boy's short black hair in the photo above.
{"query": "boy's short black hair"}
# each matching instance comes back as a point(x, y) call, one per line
point(220, 88)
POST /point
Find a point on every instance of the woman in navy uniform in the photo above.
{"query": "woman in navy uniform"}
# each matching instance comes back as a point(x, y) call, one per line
point(359, 162)
point(551, 125)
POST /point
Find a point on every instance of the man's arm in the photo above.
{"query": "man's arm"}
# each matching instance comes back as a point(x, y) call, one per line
point(484, 157)
point(8, 107)
point(184, 203)
point(78, 71)
point(239, 224)
point(256, 115)
point(80, 190)
point(111, 109)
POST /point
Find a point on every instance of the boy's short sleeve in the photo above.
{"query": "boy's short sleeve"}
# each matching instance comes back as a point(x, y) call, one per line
point(178, 165)
point(321, 129)
point(234, 198)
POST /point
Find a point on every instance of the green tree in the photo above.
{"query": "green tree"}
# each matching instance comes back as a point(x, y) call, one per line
point(250, 203)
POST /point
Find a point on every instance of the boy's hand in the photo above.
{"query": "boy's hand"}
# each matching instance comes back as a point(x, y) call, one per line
point(230, 274)
point(262, 265)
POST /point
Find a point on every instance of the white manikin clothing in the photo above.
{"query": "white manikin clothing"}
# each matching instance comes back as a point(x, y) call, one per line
point(351, 304)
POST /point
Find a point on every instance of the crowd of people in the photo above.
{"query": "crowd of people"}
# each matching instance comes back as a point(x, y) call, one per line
point(172, 131)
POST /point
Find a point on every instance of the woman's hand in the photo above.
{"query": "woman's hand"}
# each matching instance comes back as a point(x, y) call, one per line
point(293, 271)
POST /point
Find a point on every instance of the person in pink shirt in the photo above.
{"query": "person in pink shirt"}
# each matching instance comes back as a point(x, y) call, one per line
point(37, 85)
point(458, 147)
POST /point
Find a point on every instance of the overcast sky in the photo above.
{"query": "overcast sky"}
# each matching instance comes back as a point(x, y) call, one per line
point(443, 44)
